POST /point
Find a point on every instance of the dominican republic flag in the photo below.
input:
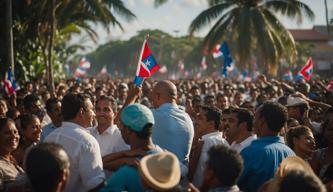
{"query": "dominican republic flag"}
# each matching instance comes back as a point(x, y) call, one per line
point(307, 71)
point(147, 64)
point(223, 50)
point(203, 65)
point(288, 75)
point(83, 67)
point(9, 84)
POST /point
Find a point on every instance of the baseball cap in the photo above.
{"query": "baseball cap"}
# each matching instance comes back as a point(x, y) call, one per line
point(296, 101)
point(136, 116)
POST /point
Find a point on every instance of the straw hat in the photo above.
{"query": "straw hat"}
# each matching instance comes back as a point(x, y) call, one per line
point(161, 171)
point(288, 164)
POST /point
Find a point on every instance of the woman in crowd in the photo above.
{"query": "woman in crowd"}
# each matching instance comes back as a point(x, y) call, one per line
point(322, 162)
point(301, 140)
point(30, 131)
point(11, 174)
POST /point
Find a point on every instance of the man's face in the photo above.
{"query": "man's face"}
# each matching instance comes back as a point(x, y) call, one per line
point(294, 112)
point(233, 130)
point(201, 121)
point(223, 102)
point(36, 107)
point(88, 114)
point(55, 113)
point(104, 112)
point(224, 121)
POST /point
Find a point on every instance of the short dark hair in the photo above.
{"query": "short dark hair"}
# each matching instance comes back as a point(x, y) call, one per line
point(45, 164)
point(296, 132)
point(25, 120)
point(297, 180)
point(226, 163)
point(71, 105)
point(4, 122)
point(275, 115)
point(146, 132)
point(244, 115)
point(29, 100)
point(109, 99)
point(213, 114)
point(49, 104)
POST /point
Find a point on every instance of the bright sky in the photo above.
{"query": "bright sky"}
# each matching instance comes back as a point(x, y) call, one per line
point(175, 16)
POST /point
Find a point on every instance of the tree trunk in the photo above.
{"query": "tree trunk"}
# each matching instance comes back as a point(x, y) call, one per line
point(327, 19)
point(9, 34)
point(50, 47)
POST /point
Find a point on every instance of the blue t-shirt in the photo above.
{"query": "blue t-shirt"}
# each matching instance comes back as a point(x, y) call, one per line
point(261, 160)
point(126, 178)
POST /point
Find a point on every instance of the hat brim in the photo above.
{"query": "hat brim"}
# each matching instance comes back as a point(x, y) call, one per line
point(155, 184)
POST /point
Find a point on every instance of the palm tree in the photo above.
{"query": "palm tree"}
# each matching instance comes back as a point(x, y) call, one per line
point(252, 28)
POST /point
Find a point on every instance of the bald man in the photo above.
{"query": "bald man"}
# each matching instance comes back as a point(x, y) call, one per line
point(173, 129)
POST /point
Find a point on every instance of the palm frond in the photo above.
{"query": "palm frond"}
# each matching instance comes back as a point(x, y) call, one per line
point(208, 16)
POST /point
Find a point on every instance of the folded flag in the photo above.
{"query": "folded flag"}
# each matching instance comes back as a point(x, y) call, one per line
point(307, 71)
point(10, 85)
point(147, 64)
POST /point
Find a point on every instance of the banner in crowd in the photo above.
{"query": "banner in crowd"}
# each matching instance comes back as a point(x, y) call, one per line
point(147, 64)
point(9, 84)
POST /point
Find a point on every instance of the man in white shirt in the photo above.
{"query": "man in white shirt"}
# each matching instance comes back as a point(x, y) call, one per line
point(86, 165)
point(208, 123)
point(239, 128)
point(106, 132)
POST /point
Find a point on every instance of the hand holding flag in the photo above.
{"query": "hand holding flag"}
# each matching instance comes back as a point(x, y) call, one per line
point(147, 64)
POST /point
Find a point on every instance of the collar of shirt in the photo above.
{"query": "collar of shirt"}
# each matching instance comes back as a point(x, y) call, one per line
point(109, 130)
point(270, 139)
point(246, 141)
point(167, 106)
point(216, 133)
point(71, 125)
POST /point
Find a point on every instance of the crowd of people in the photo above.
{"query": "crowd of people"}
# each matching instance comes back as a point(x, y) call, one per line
point(214, 135)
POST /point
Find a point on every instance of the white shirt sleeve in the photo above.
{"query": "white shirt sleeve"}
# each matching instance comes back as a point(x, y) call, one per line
point(91, 166)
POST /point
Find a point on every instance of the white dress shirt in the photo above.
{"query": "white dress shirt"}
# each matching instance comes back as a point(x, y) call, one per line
point(210, 139)
point(110, 141)
point(240, 146)
point(86, 167)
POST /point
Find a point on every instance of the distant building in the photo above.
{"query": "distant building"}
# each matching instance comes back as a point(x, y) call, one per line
point(322, 53)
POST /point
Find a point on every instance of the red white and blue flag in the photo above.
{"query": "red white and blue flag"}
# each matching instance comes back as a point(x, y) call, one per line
point(217, 51)
point(307, 71)
point(9, 84)
point(220, 50)
point(83, 67)
point(147, 64)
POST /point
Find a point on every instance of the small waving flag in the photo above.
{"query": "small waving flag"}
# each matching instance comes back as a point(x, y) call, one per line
point(82, 68)
point(223, 50)
point(10, 85)
point(147, 64)
point(307, 71)
point(288, 75)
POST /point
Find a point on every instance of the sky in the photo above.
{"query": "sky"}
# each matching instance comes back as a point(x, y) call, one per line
point(175, 16)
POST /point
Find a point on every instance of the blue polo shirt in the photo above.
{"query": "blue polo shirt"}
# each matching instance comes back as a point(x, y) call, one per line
point(261, 160)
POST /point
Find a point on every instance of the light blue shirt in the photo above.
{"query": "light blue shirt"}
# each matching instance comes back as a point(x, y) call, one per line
point(46, 130)
point(261, 160)
point(173, 130)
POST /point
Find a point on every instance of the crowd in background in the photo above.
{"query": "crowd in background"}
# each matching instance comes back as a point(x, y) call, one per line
point(184, 135)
